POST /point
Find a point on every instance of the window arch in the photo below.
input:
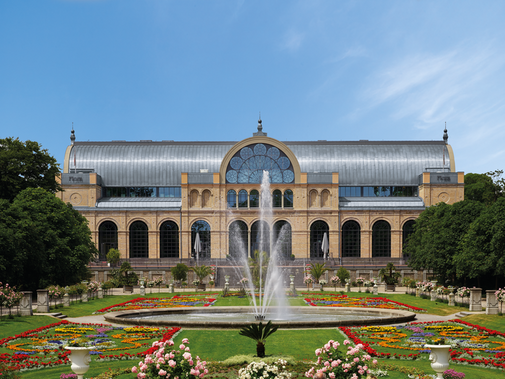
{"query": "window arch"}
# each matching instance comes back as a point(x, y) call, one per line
point(107, 238)
point(381, 239)
point(169, 240)
point(139, 240)
point(312, 198)
point(277, 199)
point(203, 229)
point(237, 237)
point(325, 198)
point(408, 230)
point(282, 238)
point(288, 199)
point(351, 239)
point(193, 199)
point(254, 199)
point(231, 199)
point(242, 199)
point(260, 237)
point(206, 196)
point(317, 230)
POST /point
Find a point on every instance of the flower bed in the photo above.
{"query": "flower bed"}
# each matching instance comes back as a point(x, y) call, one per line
point(361, 302)
point(471, 344)
point(43, 347)
point(178, 301)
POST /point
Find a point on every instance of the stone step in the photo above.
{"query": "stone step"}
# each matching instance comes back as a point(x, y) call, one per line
point(462, 314)
point(58, 315)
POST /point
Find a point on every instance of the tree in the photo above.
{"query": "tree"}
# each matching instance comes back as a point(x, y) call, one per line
point(113, 256)
point(25, 165)
point(343, 274)
point(317, 270)
point(484, 188)
point(389, 274)
point(44, 241)
point(259, 333)
point(201, 272)
point(180, 272)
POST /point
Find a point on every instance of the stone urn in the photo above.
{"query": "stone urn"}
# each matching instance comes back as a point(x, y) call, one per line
point(80, 358)
point(439, 358)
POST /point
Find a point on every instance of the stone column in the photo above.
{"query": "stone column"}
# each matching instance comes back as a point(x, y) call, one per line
point(171, 288)
point(292, 284)
point(491, 303)
point(100, 293)
point(42, 301)
point(418, 292)
point(475, 299)
point(375, 289)
point(66, 300)
point(26, 304)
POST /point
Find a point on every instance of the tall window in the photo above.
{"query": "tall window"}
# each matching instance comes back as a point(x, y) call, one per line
point(325, 198)
point(254, 199)
point(242, 199)
point(202, 228)
point(277, 199)
point(381, 239)
point(351, 239)
point(408, 230)
point(317, 231)
point(288, 199)
point(282, 238)
point(232, 199)
point(107, 238)
point(238, 234)
point(260, 237)
point(169, 240)
point(139, 240)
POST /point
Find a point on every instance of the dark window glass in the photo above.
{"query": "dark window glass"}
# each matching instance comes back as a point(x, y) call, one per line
point(169, 191)
point(254, 199)
point(260, 237)
point(282, 238)
point(139, 241)
point(142, 191)
point(288, 199)
point(238, 234)
point(351, 239)
point(202, 228)
point(115, 192)
point(277, 199)
point(169, 240)
point(242, 199)
point(408, 230)
point(232, 199)
point(317, 231)
point(381, 239)
point(107, 238)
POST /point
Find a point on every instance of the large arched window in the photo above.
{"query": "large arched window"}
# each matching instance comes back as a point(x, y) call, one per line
point(232, 199)
point(238, 234)
point(169, 240)
point(277, 199)
point(107, 238)
point(139, 240)
point(202, 228)
point(260, 237)
point(242, 199)
point(254, 199)
point(381, 239)
point(317, 231)
point(351, 239)
point(408, 230)
point(282, 238)
point(288, 199)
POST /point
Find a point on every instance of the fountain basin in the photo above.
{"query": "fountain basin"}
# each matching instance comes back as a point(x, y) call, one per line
point(221, 317)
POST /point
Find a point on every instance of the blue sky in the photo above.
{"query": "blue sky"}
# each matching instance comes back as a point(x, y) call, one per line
point(202, 70)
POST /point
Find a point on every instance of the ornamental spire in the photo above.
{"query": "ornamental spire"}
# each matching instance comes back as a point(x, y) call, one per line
point(446, 136)
point(72, 135)
point(260, 128)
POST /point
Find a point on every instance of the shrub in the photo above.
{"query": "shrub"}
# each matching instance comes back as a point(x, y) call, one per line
point(343, 274)
point(257, 370)
point(180, 272)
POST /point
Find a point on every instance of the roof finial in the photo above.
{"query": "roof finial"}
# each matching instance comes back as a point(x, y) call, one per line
point(260, 128)
point(446, 136)
point(72, 135)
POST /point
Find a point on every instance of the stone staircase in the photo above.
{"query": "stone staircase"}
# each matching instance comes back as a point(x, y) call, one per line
point(61, 316)
point(462, 314)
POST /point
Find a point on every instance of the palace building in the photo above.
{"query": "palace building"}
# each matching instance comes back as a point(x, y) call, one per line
point(149, 199)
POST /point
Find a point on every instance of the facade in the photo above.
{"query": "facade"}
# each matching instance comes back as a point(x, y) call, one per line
point(150, 199)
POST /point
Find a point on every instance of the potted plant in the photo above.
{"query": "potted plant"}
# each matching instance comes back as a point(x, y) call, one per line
point(308, 281)
point(79, 355)
point(317, 270)
point(322, 283)
point(439, 355)
point(180, 272)
point(389, 275)
point(113, 257)
point(201, 273)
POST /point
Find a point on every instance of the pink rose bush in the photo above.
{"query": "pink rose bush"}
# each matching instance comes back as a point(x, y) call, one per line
point(341, 363)
point(165, 363)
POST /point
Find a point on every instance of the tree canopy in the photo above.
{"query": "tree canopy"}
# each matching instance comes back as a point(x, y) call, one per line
point(485, 188)
point(25, 165)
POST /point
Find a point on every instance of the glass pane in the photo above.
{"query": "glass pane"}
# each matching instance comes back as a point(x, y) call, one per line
point(232, 199)
point(288, 199)
point(169, 240)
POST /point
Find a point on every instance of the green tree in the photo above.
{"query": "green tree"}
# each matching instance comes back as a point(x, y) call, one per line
point(343, 274)
point(317, 270)
point(180, 272)
point(113, 257)
point(259, 333)
point(389, 274)
point(25, 165)
point(44, 241)
point(201, 271)
point(485, 188)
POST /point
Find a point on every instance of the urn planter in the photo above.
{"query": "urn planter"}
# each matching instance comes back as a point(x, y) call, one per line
point(439, 358)
point(390, 287)
point(80, 358)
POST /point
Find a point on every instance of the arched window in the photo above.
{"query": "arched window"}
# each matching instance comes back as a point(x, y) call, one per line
point(202, 228)
point(232, 199)
point(206, 199)
point(312, 198)
point(325, 199)
point(317, 231)
point(107, 238)
point(260, 237)
point(408, 229)
point(351, 239)
point(242, 199)
point(282, 238)
point(288, 199)
point(193, 198)
point(238, 234)
point(169, 240)
point(381, 239)
point(139, 240)
point(254, 199)
point(277, 199)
